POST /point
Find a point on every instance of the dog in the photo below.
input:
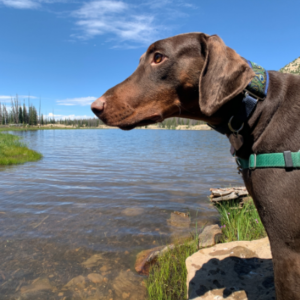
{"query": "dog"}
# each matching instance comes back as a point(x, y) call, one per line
point(197, 76)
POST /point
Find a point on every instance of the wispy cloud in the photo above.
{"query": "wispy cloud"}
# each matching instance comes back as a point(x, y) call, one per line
point(27, 4)
point(20, 4)
point(117, 18)
point(123, 22)
point(6, 98)
point(68, 117)
point(83, 101)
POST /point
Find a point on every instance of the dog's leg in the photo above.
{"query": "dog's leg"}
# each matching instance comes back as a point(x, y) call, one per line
point(276, 194)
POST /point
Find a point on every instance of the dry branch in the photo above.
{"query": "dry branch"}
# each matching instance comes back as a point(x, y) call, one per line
point(225, 194)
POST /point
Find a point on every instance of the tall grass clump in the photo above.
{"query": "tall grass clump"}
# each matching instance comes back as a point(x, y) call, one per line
point(240, 224)
point(167, 278)
point(12, 151)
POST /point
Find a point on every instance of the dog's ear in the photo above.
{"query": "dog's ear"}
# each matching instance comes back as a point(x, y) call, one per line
point(224, 75)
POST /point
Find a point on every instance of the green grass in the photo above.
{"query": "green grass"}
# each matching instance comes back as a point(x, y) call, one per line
point(12, 151)
point(240, 224)
point(167, 277)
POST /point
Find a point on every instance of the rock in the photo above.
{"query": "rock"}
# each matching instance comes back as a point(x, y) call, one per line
point(145, 258)
point(38, 284)
point(129, 286)
point(232, 271)
point(105, 269)
point(210, 236)
point(132, 211)
point(180, 220)
point(95, 278)
point(92, 261)
point(181, 214)
point(78, 282)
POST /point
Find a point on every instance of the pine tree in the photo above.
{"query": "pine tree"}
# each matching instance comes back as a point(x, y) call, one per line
point(25, 115)
point(20, 115)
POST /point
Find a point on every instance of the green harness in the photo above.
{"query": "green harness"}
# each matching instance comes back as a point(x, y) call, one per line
point(287, 160)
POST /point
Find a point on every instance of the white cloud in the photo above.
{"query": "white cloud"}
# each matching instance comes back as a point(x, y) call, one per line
point(117, 18)
point(126, 24)
point(68, 117)
point(83, 101)
point(21, 4)
point(27, 4)
point(6, 98)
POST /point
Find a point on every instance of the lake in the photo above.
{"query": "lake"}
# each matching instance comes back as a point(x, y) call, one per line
point(96, 199)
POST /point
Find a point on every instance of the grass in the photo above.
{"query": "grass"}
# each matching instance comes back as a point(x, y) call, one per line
point(12, 151)
point(240, 224)
point(167, 277)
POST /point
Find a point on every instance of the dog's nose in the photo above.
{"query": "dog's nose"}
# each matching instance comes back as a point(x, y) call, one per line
point(98, 106)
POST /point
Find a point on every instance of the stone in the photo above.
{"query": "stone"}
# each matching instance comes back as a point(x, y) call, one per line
point(128, 285)
point(95, 278)
point(145, 258)
point(233, 271)
point(76, 282)
point(92, 261)
point(133, 211)
point(210, 236)
point(180, 220)
point(38, 284)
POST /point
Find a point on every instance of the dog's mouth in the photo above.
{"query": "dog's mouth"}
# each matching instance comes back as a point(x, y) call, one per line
point(145, 122)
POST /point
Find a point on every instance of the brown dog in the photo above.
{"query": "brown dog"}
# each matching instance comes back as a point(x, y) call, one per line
point(197, 76)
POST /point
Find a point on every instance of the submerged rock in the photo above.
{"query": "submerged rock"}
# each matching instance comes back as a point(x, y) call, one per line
point(92, 261)
point(232, 271)
point(210, 236)
point(133, 211)
point(95, 278)
point(129, 286)
point(78, 282)
point(178, 219)
point(38, 284)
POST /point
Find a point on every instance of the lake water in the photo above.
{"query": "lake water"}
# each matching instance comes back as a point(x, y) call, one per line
point(96, 199)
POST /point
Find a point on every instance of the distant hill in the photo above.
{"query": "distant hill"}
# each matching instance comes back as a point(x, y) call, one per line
point(293, 67)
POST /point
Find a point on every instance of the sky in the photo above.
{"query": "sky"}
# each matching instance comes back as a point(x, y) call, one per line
point(68, 53)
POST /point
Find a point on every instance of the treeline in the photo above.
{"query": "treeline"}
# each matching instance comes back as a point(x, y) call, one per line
point(22, 114)
point(172, 123)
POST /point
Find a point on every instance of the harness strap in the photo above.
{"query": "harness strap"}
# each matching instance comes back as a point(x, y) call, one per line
point(246, 108)
point(287, 159)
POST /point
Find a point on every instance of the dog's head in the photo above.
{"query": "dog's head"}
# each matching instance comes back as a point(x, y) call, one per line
point(190, 75)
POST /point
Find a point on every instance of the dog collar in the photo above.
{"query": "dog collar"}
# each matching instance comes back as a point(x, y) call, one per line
point(256, 90)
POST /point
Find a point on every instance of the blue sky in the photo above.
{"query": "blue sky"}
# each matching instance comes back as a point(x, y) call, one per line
point(68, 53)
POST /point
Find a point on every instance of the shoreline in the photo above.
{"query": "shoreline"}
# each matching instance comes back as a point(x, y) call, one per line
point(60, 126)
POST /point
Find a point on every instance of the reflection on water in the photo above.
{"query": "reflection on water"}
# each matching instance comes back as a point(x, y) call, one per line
point(72, 223)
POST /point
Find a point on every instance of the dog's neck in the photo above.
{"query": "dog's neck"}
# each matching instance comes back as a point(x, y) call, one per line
point(242, 109)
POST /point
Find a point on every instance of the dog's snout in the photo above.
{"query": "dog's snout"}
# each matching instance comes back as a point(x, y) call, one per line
point(98, 106)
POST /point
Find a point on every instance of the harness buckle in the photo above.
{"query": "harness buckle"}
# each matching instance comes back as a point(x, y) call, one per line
point(254, 167)
point(235, 131)
point(247, 92)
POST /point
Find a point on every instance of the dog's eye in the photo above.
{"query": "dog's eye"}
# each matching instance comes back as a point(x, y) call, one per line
point(158, 58)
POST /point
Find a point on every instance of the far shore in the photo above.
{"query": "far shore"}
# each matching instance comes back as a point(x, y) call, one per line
point(62, 126)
